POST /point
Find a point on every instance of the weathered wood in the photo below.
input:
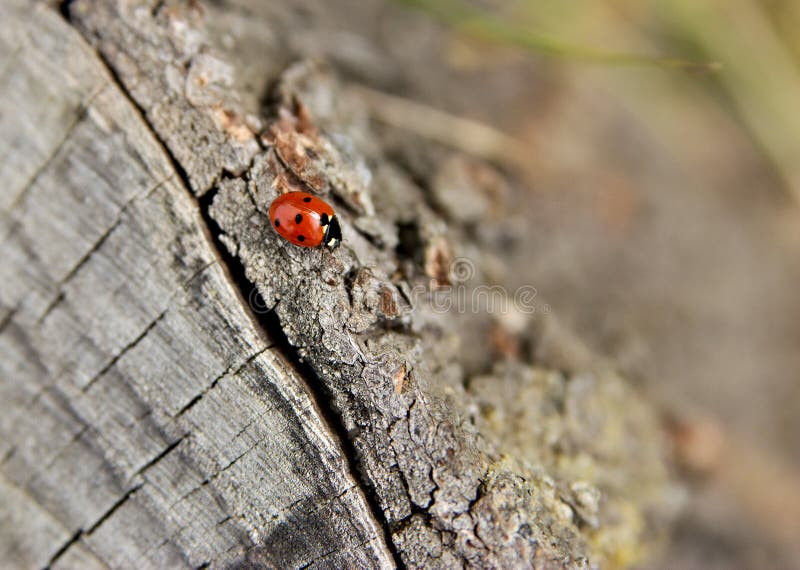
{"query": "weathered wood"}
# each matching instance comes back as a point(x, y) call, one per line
point(146, 420)
point(180, 387)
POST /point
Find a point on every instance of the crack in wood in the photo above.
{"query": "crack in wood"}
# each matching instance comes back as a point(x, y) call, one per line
point(107, 233)
point(113, 508)
point(61, 451)
point(96, 247)
point(8, 455)
point(43, 389)
point(324, 555)
point(63, 548)
point(315, 506)
point(57, 300)
point(80, 114)
point(132, 344)
point(124, 350)
point(63, 9)
point(7, 318)
point(215, 381)
point(191, 491)
point(159, 457)
point(80, 533)
point(271, 322)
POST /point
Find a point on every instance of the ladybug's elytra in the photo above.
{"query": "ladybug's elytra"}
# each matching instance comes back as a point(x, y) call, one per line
point(305, 220)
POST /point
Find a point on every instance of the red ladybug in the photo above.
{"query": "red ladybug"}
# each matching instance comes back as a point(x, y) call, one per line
point(305, 220)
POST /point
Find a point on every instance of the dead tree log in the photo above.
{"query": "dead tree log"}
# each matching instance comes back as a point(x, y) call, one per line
point(181, 388)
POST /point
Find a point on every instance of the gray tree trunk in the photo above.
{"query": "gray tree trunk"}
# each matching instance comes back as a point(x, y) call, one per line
point(181, 388)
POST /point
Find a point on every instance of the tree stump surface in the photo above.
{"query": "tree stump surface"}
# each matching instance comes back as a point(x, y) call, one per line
point(182, 388)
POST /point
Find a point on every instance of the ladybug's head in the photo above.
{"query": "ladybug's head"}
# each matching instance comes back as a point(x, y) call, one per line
point(333, 234)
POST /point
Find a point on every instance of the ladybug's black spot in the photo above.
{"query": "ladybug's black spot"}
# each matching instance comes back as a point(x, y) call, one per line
point(277, 222)
point(324, 219)
point(298, 218)
point(301, 238)
point(307, 199)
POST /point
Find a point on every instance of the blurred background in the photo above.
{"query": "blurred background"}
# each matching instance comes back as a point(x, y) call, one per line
point(661, 158)
point(654, 154)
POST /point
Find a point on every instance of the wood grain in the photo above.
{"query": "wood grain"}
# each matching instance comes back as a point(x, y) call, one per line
point(146, 420)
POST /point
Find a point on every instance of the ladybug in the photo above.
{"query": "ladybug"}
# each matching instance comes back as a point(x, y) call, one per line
point(305, 220)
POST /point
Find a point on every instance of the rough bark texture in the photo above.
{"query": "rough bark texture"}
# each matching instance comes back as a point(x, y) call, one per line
point(180, 387)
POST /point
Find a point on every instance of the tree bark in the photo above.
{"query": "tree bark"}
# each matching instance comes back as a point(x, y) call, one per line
point(181, 388)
